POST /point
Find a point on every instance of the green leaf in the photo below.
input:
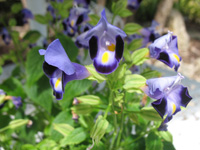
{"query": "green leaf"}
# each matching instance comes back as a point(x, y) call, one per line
point(63, 117)
point(94, 19)
point(89, 100)
point(139, 56)
point(28, 147)
point(14, 124)
point(77, 136)
point(119, 8)
point(41, 93)
point(41, 19)
point(82, 109)
point(12, 22)
point(135, 44)
point(166, 135)
point(125, 13)
point(153, 142)
point(17, 123)
point(1, 70)
point(34, 63)
point(16, 8)
point(94, 74)
point(72, 90)
point(69, 46)
point(168, 146)
point(132, 28)
point(32, 36)
point(13, 87)
point(148, 74)
point(15, 37)
point(63, 128)
point(150, 113)
point(99, 129)
point(120, 72)
point(48, 144)
point(134, 82)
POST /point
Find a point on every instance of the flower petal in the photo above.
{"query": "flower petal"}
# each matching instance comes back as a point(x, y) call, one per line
point(93, 47)
point(56, 56)
point(119, 48)
point(105, 62)
point(57, 85)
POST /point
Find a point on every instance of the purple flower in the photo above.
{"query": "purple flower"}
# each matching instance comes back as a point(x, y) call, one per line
point(106, 45)
point(51, 10)
point(80, 40)
point(59, 69)
point(4, 98)
point(5, 36)
point(17, 101)
point(77, 16)
point(170, 95)
point(68, 30)
point(133, 4)
point(165, 49)
point(84, 3)
point(149, 34)
point(26, 14)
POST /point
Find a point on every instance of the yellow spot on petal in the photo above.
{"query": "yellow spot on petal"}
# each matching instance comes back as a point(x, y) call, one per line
point(72, 23)
point(71, 30)
point(57, 82)
point(105, 57)
point(173, 108)
point(111, 47)
point(177, 58)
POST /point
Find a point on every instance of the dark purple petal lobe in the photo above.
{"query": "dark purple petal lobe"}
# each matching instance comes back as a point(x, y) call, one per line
point(119, 48)
point(93, 47)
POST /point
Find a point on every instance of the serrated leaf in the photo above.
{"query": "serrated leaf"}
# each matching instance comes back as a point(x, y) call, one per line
point(134, 82)
point(77, 136)
point(63, 128)
point(89, 100)
point(32, 36)
point(153, 142)
point(139, 56)
point(99, 129)
point(69, 46)
point(34, 63)
point(150, 113)
point(132, 28)
point(94, 74)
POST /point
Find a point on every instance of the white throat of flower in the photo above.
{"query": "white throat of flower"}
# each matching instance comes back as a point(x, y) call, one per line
point(167, 40)
point(176, 82)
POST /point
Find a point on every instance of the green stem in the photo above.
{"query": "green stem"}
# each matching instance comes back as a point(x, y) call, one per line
point(121, 126)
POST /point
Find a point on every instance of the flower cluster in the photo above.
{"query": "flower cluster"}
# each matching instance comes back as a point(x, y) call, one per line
point(168, 91)
point(106, 46)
